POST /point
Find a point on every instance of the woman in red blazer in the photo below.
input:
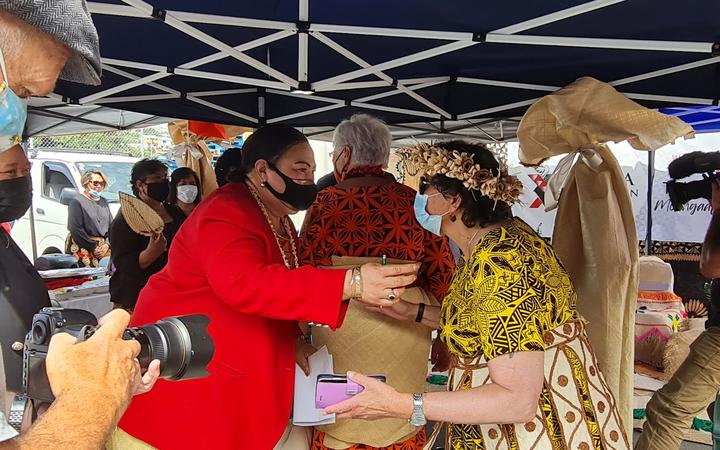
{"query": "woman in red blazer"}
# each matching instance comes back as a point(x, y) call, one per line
point(235, 260)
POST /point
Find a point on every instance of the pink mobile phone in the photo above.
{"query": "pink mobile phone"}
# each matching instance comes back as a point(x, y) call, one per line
point(331, 389)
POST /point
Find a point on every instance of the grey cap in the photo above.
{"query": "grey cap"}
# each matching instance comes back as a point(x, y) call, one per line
point(69, 22)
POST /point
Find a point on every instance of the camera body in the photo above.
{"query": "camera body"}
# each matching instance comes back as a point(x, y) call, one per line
point(182, 344)
point(45, 324)
point(696, 162)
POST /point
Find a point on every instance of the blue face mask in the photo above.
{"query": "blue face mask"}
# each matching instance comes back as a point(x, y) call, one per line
point(430, 222)
point(13, 112)
point(94, 194)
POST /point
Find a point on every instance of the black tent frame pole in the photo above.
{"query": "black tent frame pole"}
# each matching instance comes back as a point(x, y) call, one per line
point(651, 180)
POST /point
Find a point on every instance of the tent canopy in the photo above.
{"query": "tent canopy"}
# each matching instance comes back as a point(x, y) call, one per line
point(427, 67)
point(51, 116)
point(704, 119)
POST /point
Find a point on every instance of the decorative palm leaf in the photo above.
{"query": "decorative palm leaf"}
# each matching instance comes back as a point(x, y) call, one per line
point(141, 218)
point(695, 308)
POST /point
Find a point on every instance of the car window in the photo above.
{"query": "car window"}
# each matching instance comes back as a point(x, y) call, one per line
point(117, 174)
point(55, 179)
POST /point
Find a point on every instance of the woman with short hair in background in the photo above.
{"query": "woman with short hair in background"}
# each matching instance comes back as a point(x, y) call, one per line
point(89, 219)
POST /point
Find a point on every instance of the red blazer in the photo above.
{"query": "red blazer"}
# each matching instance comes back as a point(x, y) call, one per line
point(224, 263)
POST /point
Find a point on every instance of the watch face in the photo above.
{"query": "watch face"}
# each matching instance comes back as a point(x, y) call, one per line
point(418, 421)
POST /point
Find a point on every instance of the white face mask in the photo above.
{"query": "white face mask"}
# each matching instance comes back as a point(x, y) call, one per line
point(187, 193)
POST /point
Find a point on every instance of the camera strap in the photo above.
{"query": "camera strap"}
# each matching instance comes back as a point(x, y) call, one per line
point(17, 412)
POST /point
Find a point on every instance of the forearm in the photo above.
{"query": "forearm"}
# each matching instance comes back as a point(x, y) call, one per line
point(79, 420)
point(488, 404)
point(710, 257)
point(146, 258)
point(273, 291)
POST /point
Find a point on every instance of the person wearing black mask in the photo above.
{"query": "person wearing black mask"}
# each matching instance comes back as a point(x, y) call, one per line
point(235, 260)
point(23, 292)
point(136, 257)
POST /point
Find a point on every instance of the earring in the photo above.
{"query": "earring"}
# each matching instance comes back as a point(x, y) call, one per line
point(262, 184)
point(453, 218)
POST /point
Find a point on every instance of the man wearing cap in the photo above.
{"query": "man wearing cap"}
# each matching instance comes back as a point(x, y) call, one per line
point(696, 383)
point(94, 380)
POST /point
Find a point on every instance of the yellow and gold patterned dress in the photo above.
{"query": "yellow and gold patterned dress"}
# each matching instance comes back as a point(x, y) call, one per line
point(513, 295)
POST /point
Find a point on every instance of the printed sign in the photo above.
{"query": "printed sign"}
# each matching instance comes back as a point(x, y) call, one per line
point(688, 225)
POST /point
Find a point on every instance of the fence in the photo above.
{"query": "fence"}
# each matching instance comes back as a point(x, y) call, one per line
point(137, 143)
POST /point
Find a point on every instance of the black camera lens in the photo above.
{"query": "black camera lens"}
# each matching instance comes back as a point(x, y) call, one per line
point(182, 344)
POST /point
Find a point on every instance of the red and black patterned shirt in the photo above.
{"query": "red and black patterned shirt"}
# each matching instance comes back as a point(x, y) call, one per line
point(371, 221)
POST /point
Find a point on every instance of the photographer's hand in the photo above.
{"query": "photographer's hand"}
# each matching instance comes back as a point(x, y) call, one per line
point(104, 362)
point(147, 381)
point(92, 381)
point(143, 382)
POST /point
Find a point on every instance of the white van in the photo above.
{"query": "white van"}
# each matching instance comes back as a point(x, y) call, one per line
point(56, 174)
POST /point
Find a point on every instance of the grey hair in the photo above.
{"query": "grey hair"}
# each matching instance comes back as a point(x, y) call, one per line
point(87, 176)
point(368, 137)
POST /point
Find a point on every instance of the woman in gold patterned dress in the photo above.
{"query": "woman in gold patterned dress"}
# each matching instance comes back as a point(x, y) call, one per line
point(524, 375)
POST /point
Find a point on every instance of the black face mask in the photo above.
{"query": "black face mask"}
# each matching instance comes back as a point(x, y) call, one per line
point(158, 191)
point(299, 196)
point(15, 198)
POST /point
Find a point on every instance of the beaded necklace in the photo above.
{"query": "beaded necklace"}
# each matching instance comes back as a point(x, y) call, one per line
point(284, 222)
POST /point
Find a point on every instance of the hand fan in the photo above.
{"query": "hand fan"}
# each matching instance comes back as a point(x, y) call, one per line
point(141, 218)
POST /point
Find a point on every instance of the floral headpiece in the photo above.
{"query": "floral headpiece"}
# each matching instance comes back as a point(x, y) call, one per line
point(432, 160)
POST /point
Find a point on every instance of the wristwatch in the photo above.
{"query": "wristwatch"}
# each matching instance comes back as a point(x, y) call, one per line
point(418, 416)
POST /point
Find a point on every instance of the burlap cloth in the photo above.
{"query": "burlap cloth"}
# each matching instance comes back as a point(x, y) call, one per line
point(595, 235)
point(195, 154)
point(372, 343)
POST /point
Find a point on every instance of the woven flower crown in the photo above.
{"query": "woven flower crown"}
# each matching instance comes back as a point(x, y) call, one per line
point(432, 160)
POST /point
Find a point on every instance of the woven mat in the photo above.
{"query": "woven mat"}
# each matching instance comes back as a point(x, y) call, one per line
point(648, 371)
